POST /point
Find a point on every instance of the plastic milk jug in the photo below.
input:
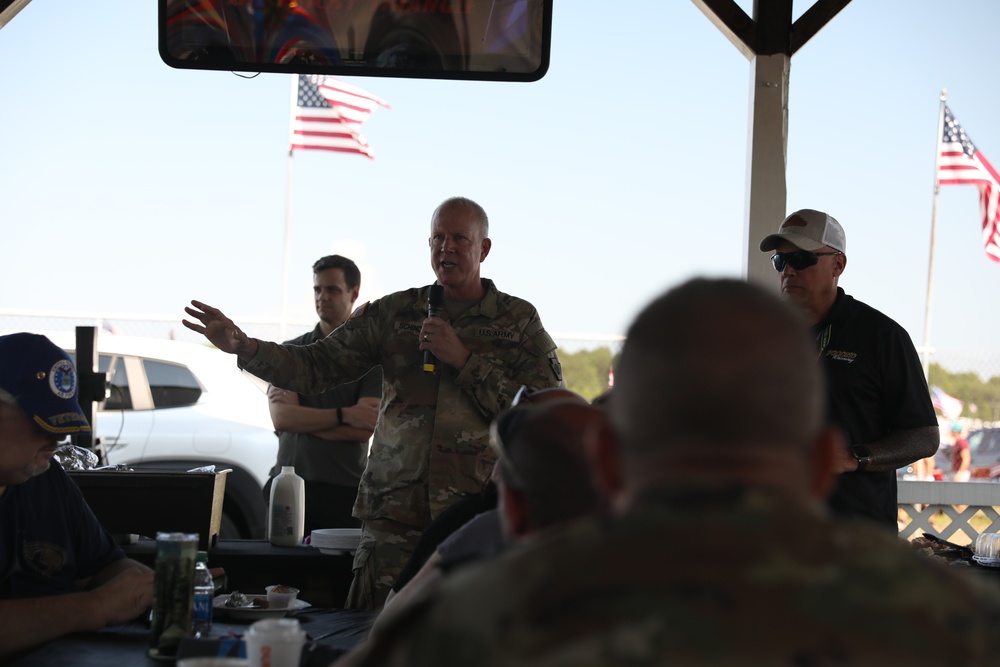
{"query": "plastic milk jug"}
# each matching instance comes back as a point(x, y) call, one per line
point(287, 511)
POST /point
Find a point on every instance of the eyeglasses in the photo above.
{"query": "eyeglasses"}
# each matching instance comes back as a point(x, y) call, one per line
point(501, 425)
point(798, 260)
point(522, 395)
point(500, 430)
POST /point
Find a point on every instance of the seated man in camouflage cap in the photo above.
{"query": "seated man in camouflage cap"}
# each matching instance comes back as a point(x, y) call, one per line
point(60, 571)
point(722, 551)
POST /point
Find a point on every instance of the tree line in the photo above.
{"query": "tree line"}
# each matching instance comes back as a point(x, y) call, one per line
point(587, 373)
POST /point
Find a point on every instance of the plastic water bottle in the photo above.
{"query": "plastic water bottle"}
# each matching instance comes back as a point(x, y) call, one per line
point(204, 597)
point(287, 513)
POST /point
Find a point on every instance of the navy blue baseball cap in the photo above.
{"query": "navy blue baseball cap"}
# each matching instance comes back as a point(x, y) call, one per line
point(43, 379)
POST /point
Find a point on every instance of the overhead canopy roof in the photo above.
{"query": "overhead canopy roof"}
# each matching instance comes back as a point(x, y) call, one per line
point(9, 8)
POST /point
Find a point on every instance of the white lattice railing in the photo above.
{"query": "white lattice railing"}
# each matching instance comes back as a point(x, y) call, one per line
point(955, 511)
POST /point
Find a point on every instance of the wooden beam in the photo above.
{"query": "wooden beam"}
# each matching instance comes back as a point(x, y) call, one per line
point(812, 21)
point(766, 193)
point(773, 20)
point(733, 22)
point(8, 8)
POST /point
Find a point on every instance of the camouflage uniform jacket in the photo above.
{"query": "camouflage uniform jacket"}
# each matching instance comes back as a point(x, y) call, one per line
point(431, 444)
point(701, 576)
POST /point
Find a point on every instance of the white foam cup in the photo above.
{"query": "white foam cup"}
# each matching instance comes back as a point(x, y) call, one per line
point(988, 546)
point(275, 642)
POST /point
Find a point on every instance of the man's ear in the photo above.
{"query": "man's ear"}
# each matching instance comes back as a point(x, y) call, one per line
point(828, 442)
point(840, 263)
point(605, 460)
point(517, 515)
point(487, 244)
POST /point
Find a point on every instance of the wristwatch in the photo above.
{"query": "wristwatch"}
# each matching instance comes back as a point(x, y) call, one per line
point(863, 456)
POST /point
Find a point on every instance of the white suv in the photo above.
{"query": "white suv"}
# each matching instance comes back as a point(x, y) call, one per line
point(175, 405)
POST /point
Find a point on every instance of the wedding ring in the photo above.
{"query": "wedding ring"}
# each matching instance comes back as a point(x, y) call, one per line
point(425, 336)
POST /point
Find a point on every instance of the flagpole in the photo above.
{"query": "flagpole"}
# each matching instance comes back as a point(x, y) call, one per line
point(283, 322)
point(926, 352)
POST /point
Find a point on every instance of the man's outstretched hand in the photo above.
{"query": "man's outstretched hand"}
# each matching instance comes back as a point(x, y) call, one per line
point(221, 331)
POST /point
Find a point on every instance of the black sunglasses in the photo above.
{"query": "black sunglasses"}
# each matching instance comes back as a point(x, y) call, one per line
point(798, 260)
point(500, 432)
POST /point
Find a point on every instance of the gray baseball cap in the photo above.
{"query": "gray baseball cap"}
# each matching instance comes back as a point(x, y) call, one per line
point(807, 229)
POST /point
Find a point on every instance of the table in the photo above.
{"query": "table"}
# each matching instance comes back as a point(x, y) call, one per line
point(331, 632)
point(323, 580)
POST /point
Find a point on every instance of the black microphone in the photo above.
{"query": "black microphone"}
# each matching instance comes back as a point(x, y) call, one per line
point(434, 304)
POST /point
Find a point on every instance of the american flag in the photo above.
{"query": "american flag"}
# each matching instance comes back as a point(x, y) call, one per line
point(328, 114)
point(949, 406)
point(960, 163)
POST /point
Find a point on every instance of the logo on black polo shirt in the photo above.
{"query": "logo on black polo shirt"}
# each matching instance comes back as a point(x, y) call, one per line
point(841, 355)
point(44, 558)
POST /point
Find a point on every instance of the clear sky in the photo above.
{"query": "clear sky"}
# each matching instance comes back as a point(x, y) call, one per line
point(130, 187)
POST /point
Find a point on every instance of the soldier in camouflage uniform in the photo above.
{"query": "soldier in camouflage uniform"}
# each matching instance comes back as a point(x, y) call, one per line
point(431, 444)
point(721, 552)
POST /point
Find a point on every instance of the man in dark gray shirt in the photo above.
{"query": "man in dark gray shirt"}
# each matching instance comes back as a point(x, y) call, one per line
point(325, 436)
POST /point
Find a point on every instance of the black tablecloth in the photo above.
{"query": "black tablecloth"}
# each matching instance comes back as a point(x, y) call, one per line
point(250, 565)
point(331, 632)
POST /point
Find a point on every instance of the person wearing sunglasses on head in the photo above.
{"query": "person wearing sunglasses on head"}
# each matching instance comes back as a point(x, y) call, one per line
point(470, 529)
point(877, 393)
point(470, 525)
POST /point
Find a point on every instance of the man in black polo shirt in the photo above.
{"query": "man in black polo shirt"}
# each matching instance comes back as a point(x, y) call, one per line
point(877, 393)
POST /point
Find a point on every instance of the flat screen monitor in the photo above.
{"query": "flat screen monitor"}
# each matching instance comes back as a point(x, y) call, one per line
point(486, 40)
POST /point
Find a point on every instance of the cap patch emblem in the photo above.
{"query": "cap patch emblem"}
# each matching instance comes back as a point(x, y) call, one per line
point(794, 221)
point(62, 379)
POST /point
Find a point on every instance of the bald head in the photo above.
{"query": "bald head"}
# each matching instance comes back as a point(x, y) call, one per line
point(474, 212)
point(715, 368)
